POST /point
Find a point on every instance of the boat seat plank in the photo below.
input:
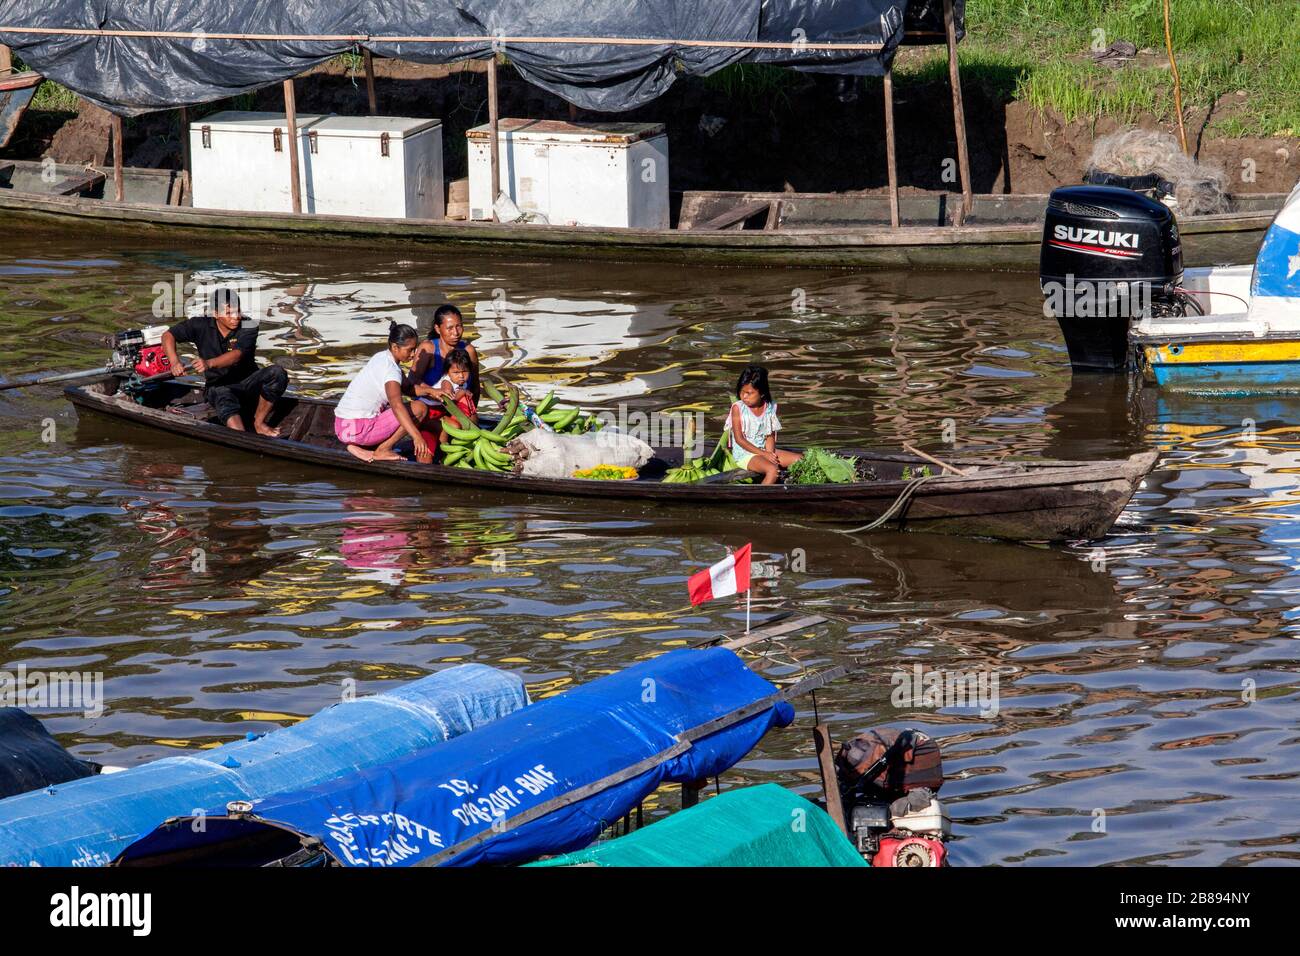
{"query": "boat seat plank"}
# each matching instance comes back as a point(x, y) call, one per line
point(727, 477)
point(774, 211)
point(302, 423)
point(76, 185)
point(735, 218)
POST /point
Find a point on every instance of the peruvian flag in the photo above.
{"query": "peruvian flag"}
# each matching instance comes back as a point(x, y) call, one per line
point(728, 576)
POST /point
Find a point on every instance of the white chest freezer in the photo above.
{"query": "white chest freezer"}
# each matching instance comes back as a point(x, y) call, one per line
point(372, 166)
point(585, 174)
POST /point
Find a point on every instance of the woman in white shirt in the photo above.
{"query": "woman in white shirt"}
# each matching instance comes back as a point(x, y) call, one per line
point(371, 417)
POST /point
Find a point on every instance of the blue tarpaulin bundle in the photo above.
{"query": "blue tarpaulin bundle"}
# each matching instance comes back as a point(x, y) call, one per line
point(134, 56)
point(544, 780)
point(88, 822)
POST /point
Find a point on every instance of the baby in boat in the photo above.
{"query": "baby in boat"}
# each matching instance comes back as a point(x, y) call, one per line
point(752, 427)
point(372, 417)
point(455, 386)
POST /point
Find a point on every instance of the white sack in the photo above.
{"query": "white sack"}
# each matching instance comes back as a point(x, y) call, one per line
point(540, 454)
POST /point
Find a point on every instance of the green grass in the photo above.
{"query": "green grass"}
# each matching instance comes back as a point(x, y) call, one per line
point(1222, 46)
point(55, 98)
point(753, 83)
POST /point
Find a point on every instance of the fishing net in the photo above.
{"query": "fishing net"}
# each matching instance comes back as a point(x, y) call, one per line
point(1200, 189)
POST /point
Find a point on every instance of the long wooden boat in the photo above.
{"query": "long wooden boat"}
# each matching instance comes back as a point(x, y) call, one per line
point(1054, 500)
point(845, 230)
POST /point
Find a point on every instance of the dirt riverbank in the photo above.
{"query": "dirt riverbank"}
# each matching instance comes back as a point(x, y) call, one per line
point(800, 133)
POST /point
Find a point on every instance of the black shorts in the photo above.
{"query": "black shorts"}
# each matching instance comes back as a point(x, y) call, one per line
point(235, 398)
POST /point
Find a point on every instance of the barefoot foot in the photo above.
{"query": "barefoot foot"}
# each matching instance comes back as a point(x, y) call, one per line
point(365, 454)
point(267, 430)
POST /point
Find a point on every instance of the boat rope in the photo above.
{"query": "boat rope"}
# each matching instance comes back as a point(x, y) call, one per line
point(897, 509)
point(496, 41)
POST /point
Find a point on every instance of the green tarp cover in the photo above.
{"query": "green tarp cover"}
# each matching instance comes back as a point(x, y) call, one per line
point(765, 825)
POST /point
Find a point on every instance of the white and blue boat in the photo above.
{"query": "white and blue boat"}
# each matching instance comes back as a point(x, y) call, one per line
point(1247, 342)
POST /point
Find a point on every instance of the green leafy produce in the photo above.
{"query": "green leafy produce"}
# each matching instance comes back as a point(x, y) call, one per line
point(821, 467)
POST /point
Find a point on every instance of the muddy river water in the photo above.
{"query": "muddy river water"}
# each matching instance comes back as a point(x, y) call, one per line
point(1146, 683)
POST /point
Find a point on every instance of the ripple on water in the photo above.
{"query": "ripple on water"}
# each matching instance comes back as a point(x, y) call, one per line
point(1143, 680)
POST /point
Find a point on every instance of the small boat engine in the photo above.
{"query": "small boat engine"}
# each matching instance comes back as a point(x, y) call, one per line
point(138, 355)
point(889, 780)
point(140, 351)
point(1108, 256)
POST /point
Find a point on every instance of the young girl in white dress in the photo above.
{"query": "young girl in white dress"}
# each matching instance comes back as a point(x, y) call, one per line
point(753, 426)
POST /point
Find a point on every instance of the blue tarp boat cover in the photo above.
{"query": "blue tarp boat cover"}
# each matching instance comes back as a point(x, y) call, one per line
point(135, 74)
point(544, 780)
point(89, 822)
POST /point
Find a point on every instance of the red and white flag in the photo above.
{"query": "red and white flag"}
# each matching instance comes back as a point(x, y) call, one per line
point(728, 576)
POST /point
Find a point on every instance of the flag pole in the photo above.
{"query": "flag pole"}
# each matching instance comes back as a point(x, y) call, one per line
point(748, 592)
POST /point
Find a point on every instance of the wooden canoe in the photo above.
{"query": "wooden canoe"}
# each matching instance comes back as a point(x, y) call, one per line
point(1044, 501)
point(815, 229)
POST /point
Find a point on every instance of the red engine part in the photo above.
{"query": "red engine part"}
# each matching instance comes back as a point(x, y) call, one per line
point(153, 361)
point(909, 851)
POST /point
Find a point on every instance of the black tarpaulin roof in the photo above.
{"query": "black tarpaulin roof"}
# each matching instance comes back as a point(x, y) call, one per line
point(134, 56)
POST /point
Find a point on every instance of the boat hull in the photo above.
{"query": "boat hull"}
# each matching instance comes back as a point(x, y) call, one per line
point(1003, 234)
point(1230, 367)
point(1027, 502)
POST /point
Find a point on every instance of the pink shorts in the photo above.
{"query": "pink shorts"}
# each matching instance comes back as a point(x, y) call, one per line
point(367, 432)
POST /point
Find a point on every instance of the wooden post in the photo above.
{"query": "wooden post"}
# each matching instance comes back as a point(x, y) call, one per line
point(958, 115)
point(118, 188)
point(185, 155)
point(370, 82)
point(291, 119)
point(891, 156)
point(1178, 82)
point(6, 59)
point(494, 118)
point(830, 782)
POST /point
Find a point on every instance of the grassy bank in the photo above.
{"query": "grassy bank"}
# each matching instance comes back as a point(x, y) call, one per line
point(1038, 51)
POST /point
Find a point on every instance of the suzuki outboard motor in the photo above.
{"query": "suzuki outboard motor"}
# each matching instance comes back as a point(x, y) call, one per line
point(1108, 256)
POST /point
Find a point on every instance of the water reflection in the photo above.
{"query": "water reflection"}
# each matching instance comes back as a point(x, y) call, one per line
point(1150, 675)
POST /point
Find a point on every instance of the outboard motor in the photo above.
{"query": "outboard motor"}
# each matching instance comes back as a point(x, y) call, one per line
point(888, 785)
point(1108, 256)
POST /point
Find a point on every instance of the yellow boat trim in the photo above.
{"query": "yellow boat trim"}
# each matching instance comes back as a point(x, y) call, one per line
point(1204, 353)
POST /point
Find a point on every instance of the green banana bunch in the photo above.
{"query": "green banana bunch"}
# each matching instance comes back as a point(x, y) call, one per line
point(472, 446)
point(693, 470)
point(564, 421)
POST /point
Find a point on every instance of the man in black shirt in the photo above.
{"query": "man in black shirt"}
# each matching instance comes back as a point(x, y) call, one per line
point(227, 342)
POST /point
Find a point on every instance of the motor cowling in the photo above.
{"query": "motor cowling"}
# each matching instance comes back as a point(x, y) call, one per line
point(1108, 256)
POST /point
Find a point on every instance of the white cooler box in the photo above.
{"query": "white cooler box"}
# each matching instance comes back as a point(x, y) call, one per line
point(373, 166)
point(586, 174)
